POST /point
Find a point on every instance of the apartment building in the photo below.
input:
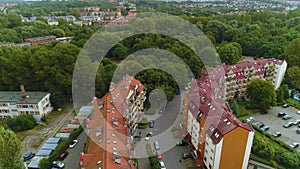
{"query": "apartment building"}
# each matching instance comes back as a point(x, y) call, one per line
point(219, 139)
point(112, 125)
point(40, 40)
point(238, 76)
point(15, 103)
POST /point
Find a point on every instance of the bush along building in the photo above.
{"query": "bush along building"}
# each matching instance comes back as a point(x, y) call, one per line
point(112, 125)
point(218, 138)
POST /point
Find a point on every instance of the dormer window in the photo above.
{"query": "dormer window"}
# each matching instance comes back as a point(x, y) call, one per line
point(217, 134)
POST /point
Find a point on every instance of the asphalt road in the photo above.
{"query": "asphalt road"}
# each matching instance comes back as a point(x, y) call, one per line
point(72, 160)
point(289, 135)
point(165, 122)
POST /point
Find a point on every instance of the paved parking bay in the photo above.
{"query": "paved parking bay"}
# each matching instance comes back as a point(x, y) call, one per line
point(289, 135)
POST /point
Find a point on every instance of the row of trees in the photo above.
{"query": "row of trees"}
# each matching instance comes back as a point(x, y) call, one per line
point(45, 68)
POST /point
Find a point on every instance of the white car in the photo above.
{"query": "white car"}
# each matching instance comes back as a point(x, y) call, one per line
point(156, 146)
point(73, 144)
point(250, 119)
point(162, 165)
point(294, 145)
point(148, 136)
point(58, 164)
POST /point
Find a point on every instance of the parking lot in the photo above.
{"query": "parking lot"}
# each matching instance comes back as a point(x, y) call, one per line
point(275, 123)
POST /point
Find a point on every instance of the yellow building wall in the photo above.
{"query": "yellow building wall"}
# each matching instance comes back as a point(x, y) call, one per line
point(233, 149)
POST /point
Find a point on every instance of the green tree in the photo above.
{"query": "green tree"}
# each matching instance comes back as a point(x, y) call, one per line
point(292, 53)
point(290, 160)
point(261, 94)
point(293, 75)
point(21, 123)
point(10, 150)
point(286, 93)
point(229, 54)
point(279, 95)
point(234, 107)
point(45, 163)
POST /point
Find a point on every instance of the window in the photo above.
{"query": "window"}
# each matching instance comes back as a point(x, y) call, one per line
point(205, 159)
point(212, 128)
point(217, 134)
point(210, 166)
point(212, 150)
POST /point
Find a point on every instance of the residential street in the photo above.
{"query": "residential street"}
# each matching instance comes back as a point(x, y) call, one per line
point(164, 133)
point(49, 131)
point(72, 160)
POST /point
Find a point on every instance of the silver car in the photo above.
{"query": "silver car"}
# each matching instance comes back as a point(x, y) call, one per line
point(156, 146)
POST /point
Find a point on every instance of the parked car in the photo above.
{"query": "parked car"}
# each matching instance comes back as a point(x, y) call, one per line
point(182, 143)
point(151, 124)
point(260, 125)
point(298, 131)
point(281, 114)
point(276, 134)
point(148, 136)
point(286, 105)
point(73, 144)
point(286, 117)
point(162, 165)
point(63, 155)
point(58, 164)
point(294, 145)
point(288, 124)
point(263, 111)
point(186, 155)
point(138, 138)
point(156, 146)
point(250, 119)
point(159, 156)
point(28, 156)
point(296, 122)
point(265, 128)
point(298, 111)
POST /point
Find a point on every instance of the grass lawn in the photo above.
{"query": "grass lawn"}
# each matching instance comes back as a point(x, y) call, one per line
point(21, 135)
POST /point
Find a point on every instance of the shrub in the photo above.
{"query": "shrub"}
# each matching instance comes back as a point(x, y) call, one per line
point(21, 123)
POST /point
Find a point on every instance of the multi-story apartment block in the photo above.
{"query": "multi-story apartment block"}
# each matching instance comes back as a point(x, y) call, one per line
point(15, 103)
point(239, 75)
point(111, 126)
point(219, 139)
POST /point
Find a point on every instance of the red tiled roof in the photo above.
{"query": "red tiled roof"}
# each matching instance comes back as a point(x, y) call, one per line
point(108, 132)
point(207, 96)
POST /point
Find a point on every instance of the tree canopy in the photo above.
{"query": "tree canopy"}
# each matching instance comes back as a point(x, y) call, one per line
point(10, 150)
point(261, 94)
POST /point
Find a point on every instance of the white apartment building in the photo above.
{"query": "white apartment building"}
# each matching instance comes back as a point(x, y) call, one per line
point(14, 103)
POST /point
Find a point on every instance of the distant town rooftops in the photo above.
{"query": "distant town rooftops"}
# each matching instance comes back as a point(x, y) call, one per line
point(42, 37)
point(16, 97)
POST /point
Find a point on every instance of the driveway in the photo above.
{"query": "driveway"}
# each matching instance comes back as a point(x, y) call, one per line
point(289, 135)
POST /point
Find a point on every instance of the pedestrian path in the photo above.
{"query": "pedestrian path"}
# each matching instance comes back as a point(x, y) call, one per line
point(260, 165)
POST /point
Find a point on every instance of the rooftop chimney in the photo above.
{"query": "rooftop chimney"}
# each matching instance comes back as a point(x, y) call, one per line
point(23, 91)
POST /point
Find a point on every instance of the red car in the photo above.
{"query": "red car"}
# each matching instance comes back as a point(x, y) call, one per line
point(63, 155)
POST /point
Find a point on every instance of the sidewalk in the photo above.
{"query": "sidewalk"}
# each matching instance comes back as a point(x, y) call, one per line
point(260, 165)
